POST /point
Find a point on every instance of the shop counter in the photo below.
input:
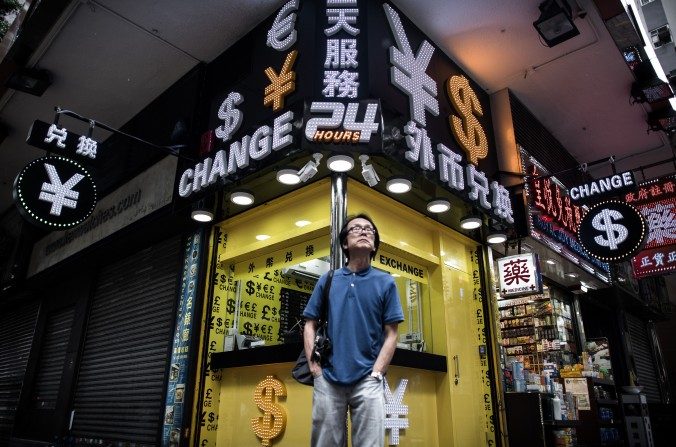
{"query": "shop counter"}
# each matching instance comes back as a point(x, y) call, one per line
point(289, 353)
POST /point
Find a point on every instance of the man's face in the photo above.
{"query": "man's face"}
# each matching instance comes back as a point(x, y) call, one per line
point(360, 236)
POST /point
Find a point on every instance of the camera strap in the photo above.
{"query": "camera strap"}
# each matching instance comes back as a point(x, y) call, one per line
point(324, 316)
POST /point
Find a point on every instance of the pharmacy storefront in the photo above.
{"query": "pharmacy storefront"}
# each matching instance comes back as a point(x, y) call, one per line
point(324, 110)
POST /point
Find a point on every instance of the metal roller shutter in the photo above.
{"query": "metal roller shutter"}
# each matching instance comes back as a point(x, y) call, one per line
point(642, 350)
point(17, 329)
point(122, 373)
point(52, 358)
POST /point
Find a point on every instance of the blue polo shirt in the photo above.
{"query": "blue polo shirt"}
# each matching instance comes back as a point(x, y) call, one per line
point(360, 305)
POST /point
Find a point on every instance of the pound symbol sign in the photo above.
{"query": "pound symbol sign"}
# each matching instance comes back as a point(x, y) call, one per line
point(273, 421)
point(232, 117)
point(615, 233)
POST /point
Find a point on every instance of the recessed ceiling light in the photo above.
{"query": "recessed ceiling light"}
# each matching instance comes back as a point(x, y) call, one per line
point(399, 185)
point(242, 198)
point(302, 223)
point(340, 163)
point(288, 176)
point(438, 206)
point(572, 275)
point(550, 261)
point(262, 237)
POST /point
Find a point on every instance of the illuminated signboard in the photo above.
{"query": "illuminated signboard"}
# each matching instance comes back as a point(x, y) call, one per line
point(519, 275)
point(612, 231)
point(55, 193)
point(656, 200)
point(59, 140)
point(553, 218)
point(333, 77)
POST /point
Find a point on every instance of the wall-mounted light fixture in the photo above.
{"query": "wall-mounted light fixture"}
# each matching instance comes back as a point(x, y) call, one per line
point(288, 176)
point(438, 205)
point(368, 172)
point(555, 23)
point(340, 163)
point(242, 197)
point(30, 80)
point(470, 222)
point(310, 169)
point(398, 185)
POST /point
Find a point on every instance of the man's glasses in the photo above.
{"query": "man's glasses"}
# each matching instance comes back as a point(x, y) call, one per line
point(358, 229)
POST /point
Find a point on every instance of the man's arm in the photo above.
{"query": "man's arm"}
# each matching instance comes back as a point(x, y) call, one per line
point(387, 351)
point(309, 332)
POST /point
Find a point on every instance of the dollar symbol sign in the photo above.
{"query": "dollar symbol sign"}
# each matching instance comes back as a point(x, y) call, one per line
point(219, 322)
point(615, 233)
point(250, 287)
point(232, 117)
point(467, 130)
point(273, 421)
point(211, 417)
point(247, 327)
point(231, 306)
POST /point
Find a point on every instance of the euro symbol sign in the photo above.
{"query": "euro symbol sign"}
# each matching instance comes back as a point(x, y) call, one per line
point(614, 233)
point(273, 421)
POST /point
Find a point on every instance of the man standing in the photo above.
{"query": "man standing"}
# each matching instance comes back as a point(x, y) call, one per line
point(363, 314)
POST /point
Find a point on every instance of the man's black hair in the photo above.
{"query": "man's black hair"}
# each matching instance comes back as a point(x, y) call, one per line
point(343, 234)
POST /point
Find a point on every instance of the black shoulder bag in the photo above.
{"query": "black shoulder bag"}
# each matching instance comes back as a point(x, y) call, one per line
point(322, 347)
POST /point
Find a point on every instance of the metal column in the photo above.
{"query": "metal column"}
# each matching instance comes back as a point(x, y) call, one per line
point(338, 215)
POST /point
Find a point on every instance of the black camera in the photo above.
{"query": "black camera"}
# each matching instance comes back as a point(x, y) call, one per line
point(322, 348)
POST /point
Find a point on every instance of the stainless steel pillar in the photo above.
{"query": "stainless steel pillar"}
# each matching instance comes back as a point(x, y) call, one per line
point(338, 215)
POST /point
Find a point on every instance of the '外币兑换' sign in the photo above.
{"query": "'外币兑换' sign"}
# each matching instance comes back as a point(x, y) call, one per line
point(313, 87)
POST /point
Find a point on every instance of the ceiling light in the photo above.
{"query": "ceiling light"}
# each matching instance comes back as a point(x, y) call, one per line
point(302, 223)
point(470, 222)
point(555, 23)
point(496, 238)
point(288, 176)
point(438, 206)
point(203, 210)
point(202, 216)
point(399, 185)
point(340, 163)
point(550, 261)
point(572, 275)
point(262, 237)
point(368, 172)
point(243, 198)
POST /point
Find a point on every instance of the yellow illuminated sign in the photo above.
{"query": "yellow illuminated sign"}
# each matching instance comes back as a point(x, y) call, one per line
point(281, 84)
point(273, 421)
point(466, 128)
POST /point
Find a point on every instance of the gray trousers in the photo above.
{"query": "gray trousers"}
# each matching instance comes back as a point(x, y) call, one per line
point(330, 403)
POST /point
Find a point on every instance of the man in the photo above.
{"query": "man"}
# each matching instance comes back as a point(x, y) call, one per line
point(363, 314)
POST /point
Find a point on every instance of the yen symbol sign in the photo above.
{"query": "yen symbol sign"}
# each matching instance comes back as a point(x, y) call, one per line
point(612, 231)
point(55, 192)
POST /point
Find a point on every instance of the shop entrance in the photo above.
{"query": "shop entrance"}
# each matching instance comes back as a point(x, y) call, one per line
point(260, 288)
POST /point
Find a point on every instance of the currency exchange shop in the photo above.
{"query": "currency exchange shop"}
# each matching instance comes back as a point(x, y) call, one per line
point(328, 109)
